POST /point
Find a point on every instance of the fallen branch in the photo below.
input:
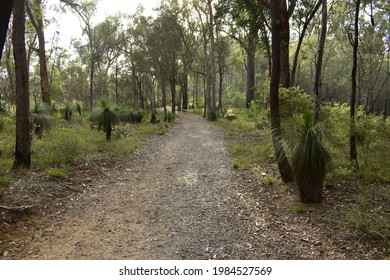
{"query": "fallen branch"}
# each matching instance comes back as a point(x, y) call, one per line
point(16, 208)
point(105, 175)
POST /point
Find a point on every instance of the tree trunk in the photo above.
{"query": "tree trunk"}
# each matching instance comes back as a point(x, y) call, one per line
point(300, 41)
point(284, 45)
point(116, 81)
point(173, 92)
point(37, 22)
point(108, 133)
point(212, 110)
point(179, 98)
point(185, 89)
point(92, 74)
point(23, 126)
point(5, 14)
point(320, 56)
point(10, 72)
point(164, 96)
point(207, 78)
point(220, 104)
point(196, 104)
point(352, 140)
point(283, 164)
point(251, 65)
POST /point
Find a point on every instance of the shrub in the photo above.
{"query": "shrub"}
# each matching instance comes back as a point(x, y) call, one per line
point(138, 116)
point(40, 117)
point(293, 101)
point(309, 161)
point(105, 117)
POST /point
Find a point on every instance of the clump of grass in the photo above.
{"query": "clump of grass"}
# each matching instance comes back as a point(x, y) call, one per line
point(250, 154)
point(367, 222)
point(63, 148)
point(299, 209)
point(1, 123)
point(283, 189)
point(5, 181)
point(237, 165)
point(267, 180)
point(59, 173)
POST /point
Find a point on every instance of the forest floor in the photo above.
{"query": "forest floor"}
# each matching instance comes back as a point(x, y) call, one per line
point(177, 197)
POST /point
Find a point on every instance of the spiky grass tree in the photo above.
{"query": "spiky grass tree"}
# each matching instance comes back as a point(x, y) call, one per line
point(41, 118)
point(68, 111)
point(106, 118)
point(309, 161)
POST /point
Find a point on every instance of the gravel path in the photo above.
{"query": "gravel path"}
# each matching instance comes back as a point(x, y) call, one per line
point(175, 198)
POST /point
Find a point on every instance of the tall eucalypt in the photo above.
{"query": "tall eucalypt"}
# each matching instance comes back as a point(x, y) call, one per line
point(310, 160)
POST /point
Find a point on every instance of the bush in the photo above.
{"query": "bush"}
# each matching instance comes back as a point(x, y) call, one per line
point(138, 116)
point(309, 161)
point(293, 101)
point(60, 150)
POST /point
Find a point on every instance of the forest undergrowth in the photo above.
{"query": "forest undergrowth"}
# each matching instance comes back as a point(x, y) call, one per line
point(360, 194)
point(69, 144)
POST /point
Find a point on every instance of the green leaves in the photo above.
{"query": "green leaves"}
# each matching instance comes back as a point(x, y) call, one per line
point(41, 118)
point(309, 160)
point(105, 117)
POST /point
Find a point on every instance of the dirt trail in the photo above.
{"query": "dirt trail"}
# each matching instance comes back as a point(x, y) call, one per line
point(175, 198)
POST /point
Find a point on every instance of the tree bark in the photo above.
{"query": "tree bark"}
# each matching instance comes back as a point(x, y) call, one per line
point(185, 88)
point(221, 74)
point(23, 127)
point(37, 22)
point(212, 110)
point(173, 92)
point(5, 14)
point(300, 41)
point(320, 56)
point(285, 76)
point(352, 140)
point(283, 164)
point(251, 66)
point(91, 77)
point(10, 72)
point(164, 95)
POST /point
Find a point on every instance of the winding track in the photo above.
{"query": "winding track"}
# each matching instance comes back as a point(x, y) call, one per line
point(175, 198)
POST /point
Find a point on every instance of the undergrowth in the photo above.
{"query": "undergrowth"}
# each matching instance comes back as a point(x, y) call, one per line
point(69, 144)
point(368, 216)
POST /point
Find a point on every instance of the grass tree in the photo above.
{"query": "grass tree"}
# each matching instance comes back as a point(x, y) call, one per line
point(41, 118)
point(105, 117)
point(309, 161)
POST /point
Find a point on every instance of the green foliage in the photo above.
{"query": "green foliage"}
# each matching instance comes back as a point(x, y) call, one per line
point(212, 116)
point(170, 117)
point(105, 117)
point(293, 101)
point(63, 147)
point(372, 134)
point(59, 173)
point(299, 209)
point(7, 148)
point(1, 123)
point(249, 154)
point(137, 116)
point(283, 189)
point(41, 118)
point(267, 180)
point(369, 221)
point(67, 111)
point(309, 160)
point(5, 180)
